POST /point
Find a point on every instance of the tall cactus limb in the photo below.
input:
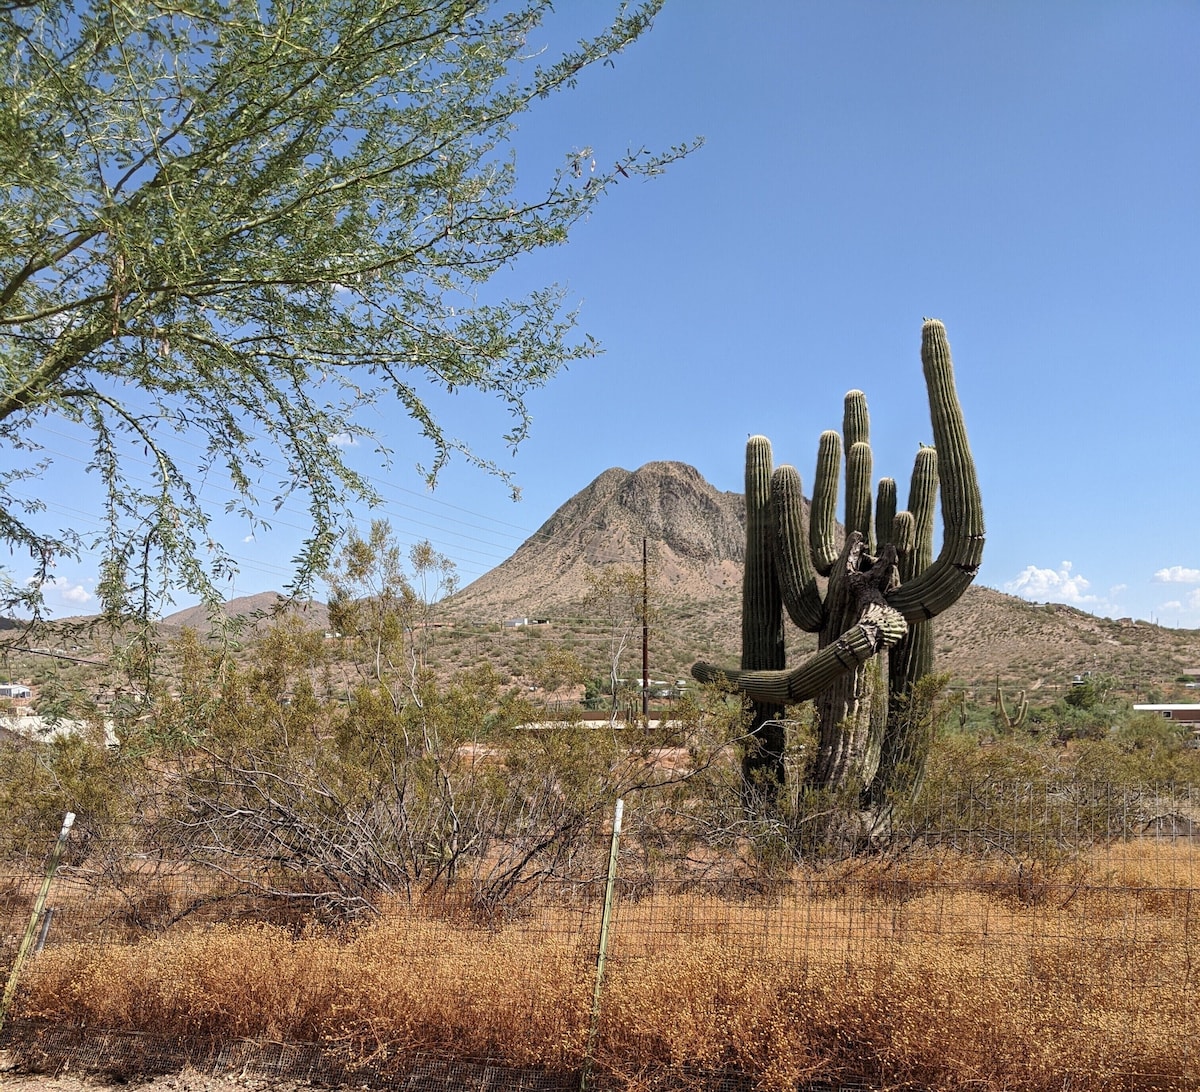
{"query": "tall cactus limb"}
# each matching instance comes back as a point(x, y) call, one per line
point(856, 435)
point(762, 618)
point(911, 659)
point(885, 510)
point(823, 512)
point(793, 562)
point(856, 421)
point(858, 491)
point(941, 584)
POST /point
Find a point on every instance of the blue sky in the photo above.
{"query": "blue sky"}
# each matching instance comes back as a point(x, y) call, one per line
point(1026, 172)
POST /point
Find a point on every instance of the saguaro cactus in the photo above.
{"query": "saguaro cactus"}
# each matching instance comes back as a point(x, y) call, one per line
point(1014, 720)
point(882, 586)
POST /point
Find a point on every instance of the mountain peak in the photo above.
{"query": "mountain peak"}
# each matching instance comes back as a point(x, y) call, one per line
point(695, 534)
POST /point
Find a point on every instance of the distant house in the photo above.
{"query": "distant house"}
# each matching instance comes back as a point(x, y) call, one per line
point(1184, 714)
point(42, 730)
point(516, 623)
point(13, 690)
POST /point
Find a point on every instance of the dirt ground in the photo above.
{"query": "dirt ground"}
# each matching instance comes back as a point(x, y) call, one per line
point(188, 1080)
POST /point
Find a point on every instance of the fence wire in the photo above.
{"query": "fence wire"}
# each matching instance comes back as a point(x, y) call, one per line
point(1004, 936)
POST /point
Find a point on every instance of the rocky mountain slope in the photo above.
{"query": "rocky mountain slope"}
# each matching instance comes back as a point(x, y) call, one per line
point(695, 540)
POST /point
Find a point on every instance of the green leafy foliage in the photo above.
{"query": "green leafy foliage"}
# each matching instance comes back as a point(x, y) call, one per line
point(235, 226)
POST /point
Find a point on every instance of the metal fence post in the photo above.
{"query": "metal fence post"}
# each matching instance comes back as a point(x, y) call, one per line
point(602, 952)
point(31, 929)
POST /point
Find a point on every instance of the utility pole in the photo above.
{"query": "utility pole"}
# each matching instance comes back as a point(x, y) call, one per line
point(645, 639)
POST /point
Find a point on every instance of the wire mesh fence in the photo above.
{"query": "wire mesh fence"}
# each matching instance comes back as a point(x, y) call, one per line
point(1003, 935)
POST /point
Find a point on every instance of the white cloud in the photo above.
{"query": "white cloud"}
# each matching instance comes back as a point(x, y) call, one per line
point(1060, 585)
point(64, 592)
point(1177, 574)
point(344, 439)
point(1180, 612)
point(248, 538)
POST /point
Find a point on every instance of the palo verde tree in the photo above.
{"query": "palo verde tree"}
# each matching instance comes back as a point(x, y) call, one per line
point(383, 609)
point(616, 598)
point(883, 586)
point(233, 226)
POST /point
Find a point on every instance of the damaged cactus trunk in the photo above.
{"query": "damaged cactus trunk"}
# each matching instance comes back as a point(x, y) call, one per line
point(870, 597)
point(851, 712)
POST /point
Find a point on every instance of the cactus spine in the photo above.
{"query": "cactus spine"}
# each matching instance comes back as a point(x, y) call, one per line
point(872, 602)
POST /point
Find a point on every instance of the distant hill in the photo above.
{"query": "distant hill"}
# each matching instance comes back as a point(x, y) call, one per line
point(696, 538)
point(256, 609)
point(1037, 645)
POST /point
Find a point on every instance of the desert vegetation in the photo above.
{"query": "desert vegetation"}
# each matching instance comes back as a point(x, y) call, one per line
point(352, 844)
point(883, 586)
point(876, 972)
point(404, 869)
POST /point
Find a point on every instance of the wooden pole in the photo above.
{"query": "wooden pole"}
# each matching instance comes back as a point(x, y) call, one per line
point(645, 640)
point(602, 952)
point(10, 990)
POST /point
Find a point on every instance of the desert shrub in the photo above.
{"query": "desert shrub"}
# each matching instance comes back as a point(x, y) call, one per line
point(41, 782)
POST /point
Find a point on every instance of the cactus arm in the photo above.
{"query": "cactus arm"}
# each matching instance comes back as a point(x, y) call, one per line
point(912, 658)
point(856, 436)
point(922, 503)
point(878, 627)
point(793, 565)
point(1014, 720)
point(858, 491)
point(855, 647)
point(762, 608)
point(762, 619)
point(902, 538)
point(885, 510)
point(941, 584)
point(823, 511)
point(856, 421)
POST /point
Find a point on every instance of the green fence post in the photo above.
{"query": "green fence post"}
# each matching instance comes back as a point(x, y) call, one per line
point(602, 953)
point(39, 903)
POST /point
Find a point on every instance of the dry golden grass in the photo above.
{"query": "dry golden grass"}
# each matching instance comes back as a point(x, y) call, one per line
point(940, 973)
